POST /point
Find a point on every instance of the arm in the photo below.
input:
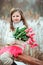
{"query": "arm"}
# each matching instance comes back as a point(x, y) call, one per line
point(8, 38)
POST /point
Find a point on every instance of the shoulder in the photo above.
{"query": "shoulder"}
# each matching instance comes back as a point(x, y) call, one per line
point(8, 28)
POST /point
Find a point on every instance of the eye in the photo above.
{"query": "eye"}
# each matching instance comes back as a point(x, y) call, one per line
point(17, 16)
point(13, 16)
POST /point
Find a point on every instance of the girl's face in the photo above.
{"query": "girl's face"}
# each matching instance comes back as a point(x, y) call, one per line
point(16, 17)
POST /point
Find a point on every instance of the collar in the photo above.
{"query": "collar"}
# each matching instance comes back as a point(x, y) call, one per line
point(19, 24)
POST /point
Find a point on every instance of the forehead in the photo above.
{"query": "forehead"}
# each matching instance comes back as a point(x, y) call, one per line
point(16, 13)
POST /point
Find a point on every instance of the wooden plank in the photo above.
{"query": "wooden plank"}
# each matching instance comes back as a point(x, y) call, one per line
point(30, 60)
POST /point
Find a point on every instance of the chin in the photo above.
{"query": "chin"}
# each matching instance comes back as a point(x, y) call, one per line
point(16, 21)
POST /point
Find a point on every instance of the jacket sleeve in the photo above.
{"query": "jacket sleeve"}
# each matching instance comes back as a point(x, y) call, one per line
point(8, 38)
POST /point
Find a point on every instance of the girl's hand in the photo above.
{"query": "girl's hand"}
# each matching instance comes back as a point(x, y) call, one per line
point(19, 42)
point(12, 43)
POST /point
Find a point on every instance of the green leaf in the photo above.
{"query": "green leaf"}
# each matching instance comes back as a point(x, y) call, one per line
point(22, 29)
point(16, 32)
point(24, 38)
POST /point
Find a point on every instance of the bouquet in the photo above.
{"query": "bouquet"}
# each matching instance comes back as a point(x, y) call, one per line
point(26, 35)
point(20, 34)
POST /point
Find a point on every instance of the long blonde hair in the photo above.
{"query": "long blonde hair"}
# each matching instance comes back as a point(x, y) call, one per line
point(22, 17)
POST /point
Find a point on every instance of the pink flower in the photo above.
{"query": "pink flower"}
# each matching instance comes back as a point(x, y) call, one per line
point(30, 29)
point(29, 41)
point(27, 30)
point(27, 34)
point(33, 39)
point(30, 34)
point(34, 45)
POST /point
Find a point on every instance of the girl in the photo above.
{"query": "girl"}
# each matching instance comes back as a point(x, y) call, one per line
point(14, 48)
point(17, 20)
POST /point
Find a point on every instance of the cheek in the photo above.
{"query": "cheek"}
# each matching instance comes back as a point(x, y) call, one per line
point(19, 18)
point(13, 18)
